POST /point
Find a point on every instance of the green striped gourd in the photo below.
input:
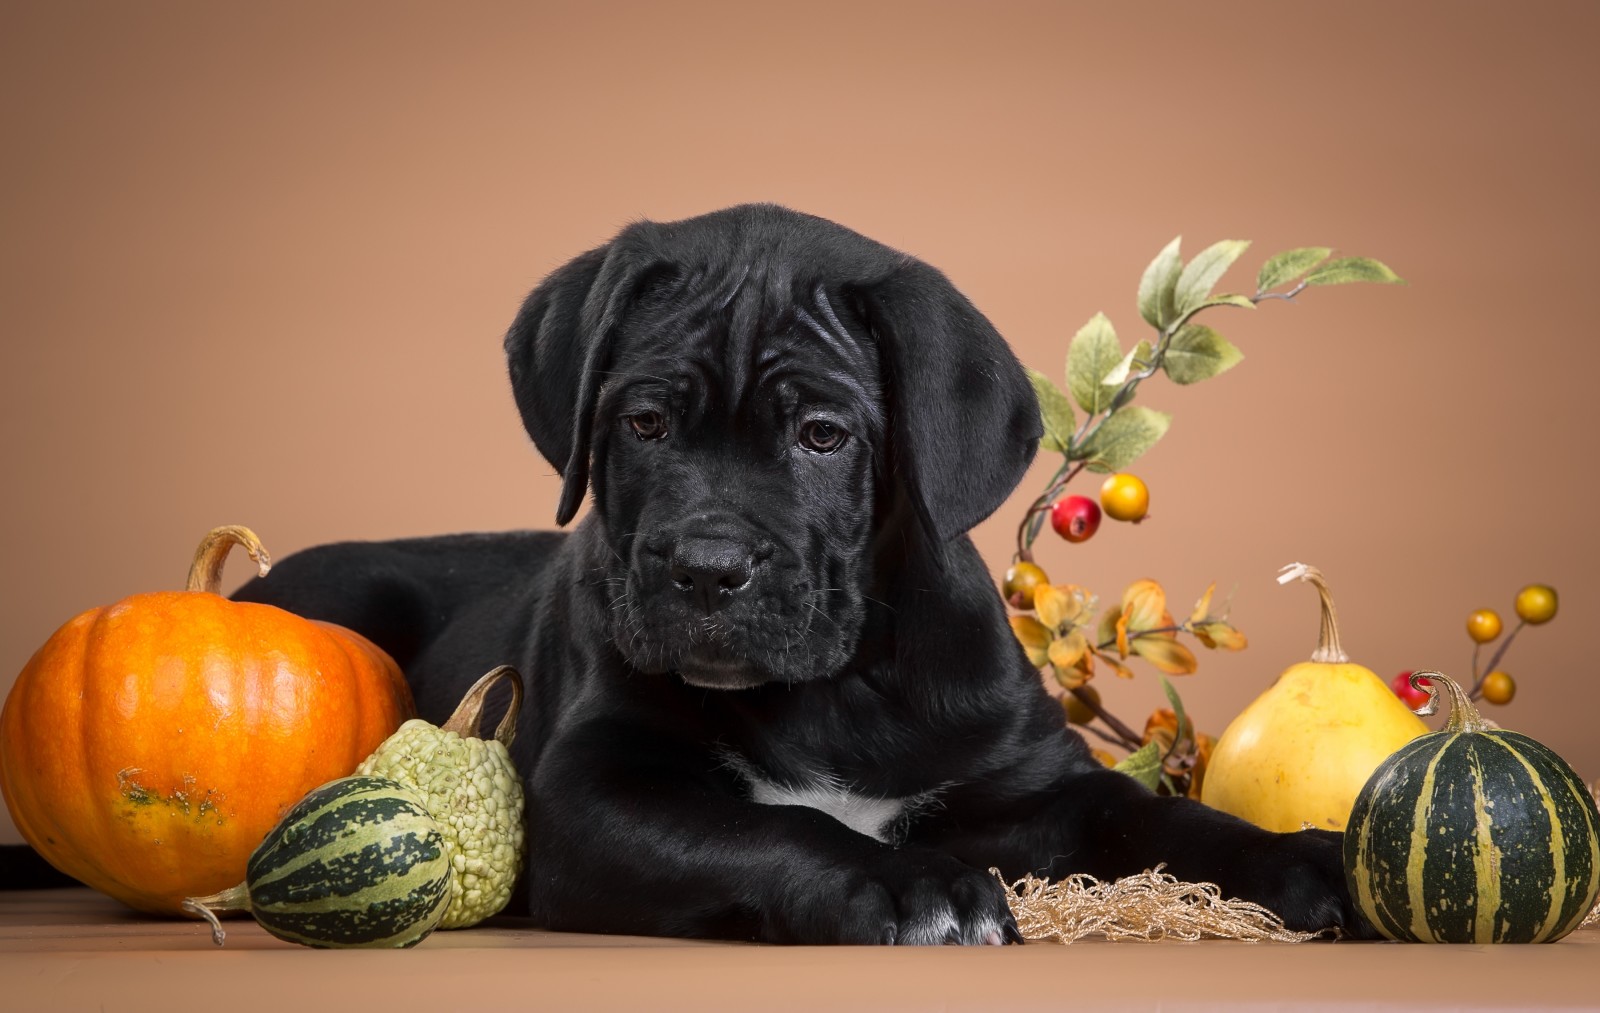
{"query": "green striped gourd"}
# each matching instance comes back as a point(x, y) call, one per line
point(358, 862)
point(1473, 834)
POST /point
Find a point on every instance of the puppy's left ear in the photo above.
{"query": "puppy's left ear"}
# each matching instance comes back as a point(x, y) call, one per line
point(965, 420)
point(557, 349)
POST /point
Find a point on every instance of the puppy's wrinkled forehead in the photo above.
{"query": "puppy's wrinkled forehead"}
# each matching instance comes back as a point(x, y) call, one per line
point(741, 333)
point(737, 296)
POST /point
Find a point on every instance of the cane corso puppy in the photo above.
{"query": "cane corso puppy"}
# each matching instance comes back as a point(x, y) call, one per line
point(774, 693)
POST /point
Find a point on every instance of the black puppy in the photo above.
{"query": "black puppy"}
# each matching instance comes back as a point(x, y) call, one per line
point(775, 693)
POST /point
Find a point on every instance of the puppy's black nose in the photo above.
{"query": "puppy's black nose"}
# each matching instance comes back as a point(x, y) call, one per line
point(712, 569)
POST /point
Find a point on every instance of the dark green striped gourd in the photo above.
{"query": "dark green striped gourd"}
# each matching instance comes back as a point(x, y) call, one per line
point(358, 862)
point(1473, 834)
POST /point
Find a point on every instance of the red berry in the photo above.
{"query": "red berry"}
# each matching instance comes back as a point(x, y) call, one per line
point(1409, 695)
point(1075, 518)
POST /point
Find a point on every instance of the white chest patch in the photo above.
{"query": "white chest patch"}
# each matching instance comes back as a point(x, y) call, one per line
point(865, 814)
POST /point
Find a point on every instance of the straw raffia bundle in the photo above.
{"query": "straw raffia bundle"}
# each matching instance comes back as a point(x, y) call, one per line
point(1148, 907)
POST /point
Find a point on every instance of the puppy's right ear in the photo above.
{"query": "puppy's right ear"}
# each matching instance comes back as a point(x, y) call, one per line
point(557, 349)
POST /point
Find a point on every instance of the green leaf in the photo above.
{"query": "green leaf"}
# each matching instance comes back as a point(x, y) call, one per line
point(1195, 283)
point(1122, 437)
point(1289, 265)
point(1094, 352)
point(1198, 353)
point(1185, 731)
point(1156, 287)
point(1056, 411)
point(1143, 765)
point(1348, 269)
point(1119, 373)
point(1242, 301)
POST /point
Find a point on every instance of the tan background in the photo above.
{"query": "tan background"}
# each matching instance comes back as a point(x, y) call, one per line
point(255, 263)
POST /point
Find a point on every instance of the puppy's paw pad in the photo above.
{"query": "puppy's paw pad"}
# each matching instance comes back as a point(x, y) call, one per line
point(941, 901)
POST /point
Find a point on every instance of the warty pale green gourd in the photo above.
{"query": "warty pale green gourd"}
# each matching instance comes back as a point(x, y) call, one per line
point(472, 789)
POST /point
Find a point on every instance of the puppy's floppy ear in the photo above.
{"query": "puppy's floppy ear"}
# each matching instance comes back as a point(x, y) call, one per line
point(557, 349)
point(964, 418)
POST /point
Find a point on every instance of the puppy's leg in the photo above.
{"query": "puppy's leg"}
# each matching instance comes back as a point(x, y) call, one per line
point(1106, 824)
point(636, 832)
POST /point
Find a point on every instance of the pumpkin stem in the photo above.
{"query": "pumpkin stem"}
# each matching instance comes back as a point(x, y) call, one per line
point(1328, 647)
point(205, 573)
point(233, 899)
point(1463, 716)
point(469, 712)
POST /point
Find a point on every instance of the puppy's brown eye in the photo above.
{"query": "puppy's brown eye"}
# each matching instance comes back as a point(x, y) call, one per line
point(648, 425)
point(821, 437)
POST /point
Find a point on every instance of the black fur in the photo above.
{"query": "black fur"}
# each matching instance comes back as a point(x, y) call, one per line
point(749, 605)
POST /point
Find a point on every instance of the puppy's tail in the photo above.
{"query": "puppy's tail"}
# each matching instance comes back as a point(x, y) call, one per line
point(22, 868)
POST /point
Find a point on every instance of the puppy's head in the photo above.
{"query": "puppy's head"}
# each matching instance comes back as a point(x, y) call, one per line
point(754, 396)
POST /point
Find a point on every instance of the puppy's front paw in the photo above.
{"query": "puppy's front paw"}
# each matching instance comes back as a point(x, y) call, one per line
point(1302, 880)
point(921, 897)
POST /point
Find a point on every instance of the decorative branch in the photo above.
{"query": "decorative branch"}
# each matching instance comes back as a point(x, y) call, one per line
point(1171, 295)
point(1494, 662)
point(1129, 738)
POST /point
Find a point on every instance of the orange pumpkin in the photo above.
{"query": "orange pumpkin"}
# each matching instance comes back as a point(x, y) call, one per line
point(149, 746)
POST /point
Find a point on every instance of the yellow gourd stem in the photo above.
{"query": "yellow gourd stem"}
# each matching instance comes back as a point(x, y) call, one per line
point(469, 712)
point(233, 899)
point(1463, 716)
point(205, 573)
point(1328, 647)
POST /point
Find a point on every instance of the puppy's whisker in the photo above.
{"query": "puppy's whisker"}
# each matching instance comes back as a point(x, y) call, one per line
point(823, 614)
point(877, 601)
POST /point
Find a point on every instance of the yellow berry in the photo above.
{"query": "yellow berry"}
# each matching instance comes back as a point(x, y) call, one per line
point(1483, 625)
point(1078, 712)
point(1499, 687)
point(1125, 498)
point(1536, 603)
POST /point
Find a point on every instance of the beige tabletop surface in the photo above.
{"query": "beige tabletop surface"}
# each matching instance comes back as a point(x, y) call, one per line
point(76, 950)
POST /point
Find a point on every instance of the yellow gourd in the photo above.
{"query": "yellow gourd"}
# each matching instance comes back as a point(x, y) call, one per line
point(1303, 750)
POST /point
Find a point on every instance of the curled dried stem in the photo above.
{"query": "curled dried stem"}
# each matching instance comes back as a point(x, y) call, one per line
point(469, 712)
point(1328, 647)
point(205, 573)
